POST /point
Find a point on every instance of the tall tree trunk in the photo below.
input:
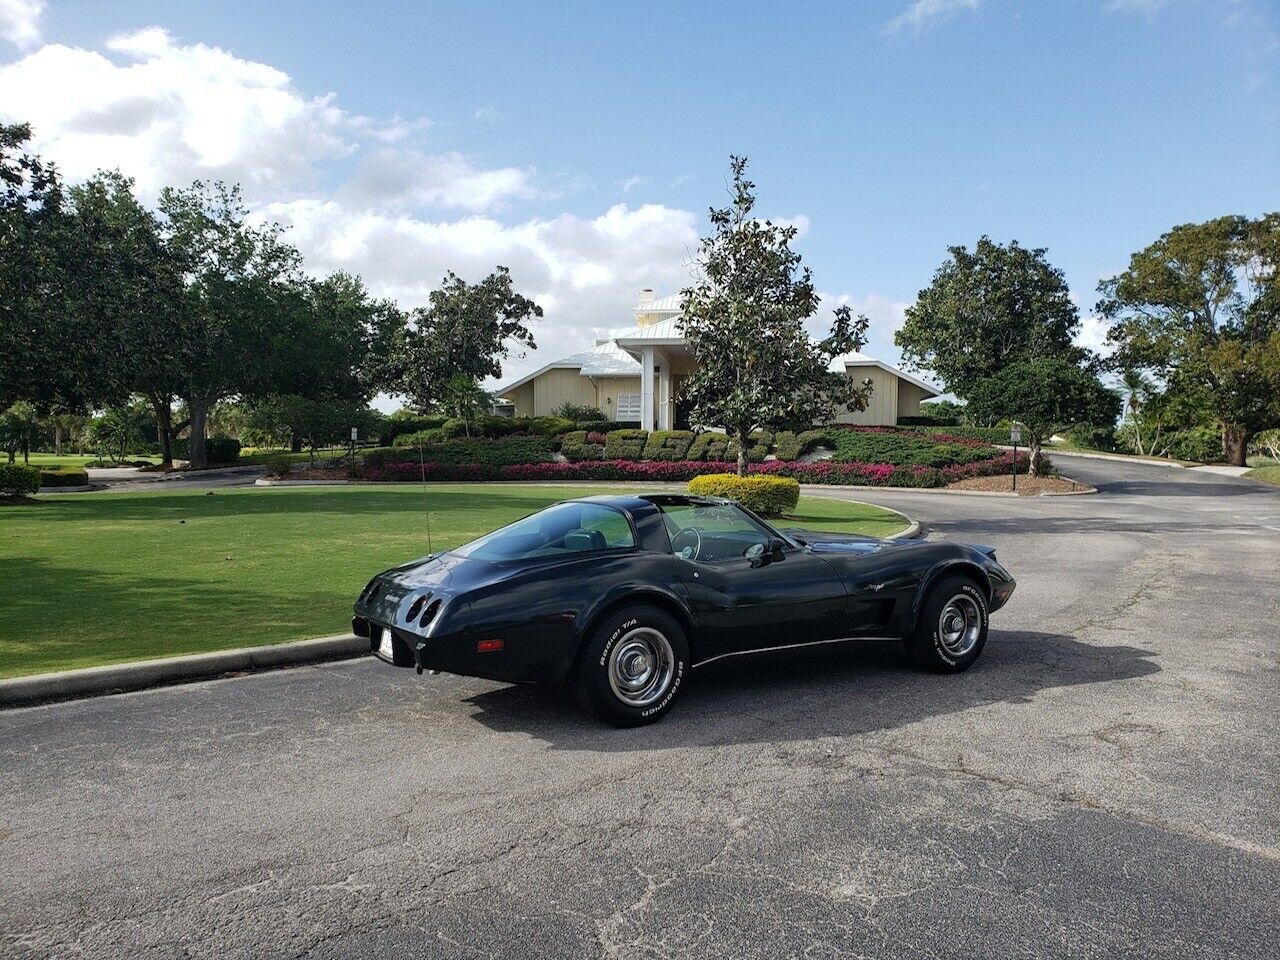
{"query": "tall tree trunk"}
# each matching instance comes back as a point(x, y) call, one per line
point(1235, 444)
point(162, 406)
point(197, 449)
point(1036, 463)
point(295, 443)
point(742, 453)
point(57, 439)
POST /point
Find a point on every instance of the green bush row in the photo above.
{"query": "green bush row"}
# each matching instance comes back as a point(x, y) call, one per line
point(17, 479)
point(577, 446)
point(901, 448)
point(520, 448)
point(218, 449)
point(64, 476)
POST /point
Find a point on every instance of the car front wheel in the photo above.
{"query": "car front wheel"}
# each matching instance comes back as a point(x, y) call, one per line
point(632, 666)
point(952, 627)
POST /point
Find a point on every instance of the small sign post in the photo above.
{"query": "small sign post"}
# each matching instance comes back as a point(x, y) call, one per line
point(1015, 434)
point(355, 435)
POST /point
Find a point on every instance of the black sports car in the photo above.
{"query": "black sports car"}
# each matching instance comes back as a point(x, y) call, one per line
point(623, 595)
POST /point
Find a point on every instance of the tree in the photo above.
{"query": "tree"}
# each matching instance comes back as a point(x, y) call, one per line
point(1044, 394)
point(17, 425)
point(466, 329)
point(464, 399)
point(118, 430)
point(241, 292)
point(126, 285)
point(744, 319)
point(1200, 307)
point(986, 309)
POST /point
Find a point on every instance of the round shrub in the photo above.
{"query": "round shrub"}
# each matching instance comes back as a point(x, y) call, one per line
point(17, 479)
point(767, 496)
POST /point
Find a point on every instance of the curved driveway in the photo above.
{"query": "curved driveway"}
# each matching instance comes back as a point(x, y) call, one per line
point(1103, 783)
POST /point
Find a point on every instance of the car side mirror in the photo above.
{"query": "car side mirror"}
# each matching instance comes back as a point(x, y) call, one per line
point(773, 550)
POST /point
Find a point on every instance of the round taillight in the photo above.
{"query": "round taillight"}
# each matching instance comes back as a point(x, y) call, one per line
point(430, 613)
point(415, 608)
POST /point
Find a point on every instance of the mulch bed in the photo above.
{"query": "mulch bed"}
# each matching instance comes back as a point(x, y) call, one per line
point(1027, 486)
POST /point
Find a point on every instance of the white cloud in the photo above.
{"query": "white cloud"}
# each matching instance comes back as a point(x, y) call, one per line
point(1093, 335)
point(886, 318)
point(632, 182)
point(487, 112)
point(923, 13)
point(398, 177)
point(20, 21)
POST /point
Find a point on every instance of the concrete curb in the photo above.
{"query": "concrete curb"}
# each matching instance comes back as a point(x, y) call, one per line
point(84, 488)
point(122, 677)
point(1107, 456)
point(913, 529)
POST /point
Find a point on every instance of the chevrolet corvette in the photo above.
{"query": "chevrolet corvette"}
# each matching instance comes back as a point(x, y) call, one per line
point(623, 595)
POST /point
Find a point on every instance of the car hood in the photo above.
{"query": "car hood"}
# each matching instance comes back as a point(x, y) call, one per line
point(847, 543)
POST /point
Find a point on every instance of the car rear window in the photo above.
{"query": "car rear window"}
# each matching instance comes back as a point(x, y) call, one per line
point(563, 529)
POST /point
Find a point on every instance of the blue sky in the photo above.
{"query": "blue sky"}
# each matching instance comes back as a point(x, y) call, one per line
point(582, 142)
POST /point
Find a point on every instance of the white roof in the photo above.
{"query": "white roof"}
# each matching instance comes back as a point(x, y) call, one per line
point(857, 359)
point(662, 331)
point(603, 360)
point(668, 304)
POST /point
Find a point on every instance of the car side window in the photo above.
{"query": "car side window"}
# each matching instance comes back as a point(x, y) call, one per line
point(712, 532)
point(611, 524)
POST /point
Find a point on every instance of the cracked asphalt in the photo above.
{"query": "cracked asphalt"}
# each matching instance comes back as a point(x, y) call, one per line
point(1103, 783)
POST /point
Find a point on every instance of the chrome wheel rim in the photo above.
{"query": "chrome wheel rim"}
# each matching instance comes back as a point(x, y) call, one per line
point(960, 625)
point(641, 667)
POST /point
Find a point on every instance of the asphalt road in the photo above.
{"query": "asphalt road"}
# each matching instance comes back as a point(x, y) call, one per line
point(1103, 783)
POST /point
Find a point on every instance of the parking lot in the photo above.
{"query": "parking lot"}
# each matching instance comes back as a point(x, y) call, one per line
point(1102, 783)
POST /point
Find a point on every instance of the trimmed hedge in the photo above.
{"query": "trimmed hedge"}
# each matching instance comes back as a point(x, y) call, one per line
point(793, 446)
point(17, 479)
point(709, 446)
point(582, 445)
point(905, 447)
point(520, 448)
point(625, 444)
point(821, 472)
point(668, 445)
point(64, 476)
point(989, 434)
point(767, 496)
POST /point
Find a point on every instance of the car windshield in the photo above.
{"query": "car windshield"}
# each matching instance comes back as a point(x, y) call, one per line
point(563, 529)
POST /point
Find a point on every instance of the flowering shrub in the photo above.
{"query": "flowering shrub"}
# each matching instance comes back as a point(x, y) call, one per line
point(767, 496)
point(822, 471)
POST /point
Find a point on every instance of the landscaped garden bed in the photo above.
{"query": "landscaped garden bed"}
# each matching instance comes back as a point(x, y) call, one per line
point(859, 456)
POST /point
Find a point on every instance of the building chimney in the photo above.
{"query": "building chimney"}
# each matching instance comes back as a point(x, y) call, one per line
point(646, 296)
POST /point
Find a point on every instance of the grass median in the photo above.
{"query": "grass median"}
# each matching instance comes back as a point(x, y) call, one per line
point(92, 579)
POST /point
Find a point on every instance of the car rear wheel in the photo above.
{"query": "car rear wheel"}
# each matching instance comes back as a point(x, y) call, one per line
point(632, 666)
point(952, 627)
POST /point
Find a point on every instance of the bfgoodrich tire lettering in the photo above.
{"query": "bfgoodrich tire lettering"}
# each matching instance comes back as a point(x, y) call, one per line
point(951, 629)
point(632, 666)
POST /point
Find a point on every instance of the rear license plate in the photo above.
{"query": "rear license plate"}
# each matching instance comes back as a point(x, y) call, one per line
point(385, 648)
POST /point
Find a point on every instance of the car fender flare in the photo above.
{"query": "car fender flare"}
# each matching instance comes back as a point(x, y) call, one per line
point(627, 593)
point(947, 568)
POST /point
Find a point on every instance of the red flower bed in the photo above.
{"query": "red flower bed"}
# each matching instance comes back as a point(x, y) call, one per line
point(821, 471)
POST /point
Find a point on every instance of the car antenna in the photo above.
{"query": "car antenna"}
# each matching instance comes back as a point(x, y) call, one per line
point(422, 467)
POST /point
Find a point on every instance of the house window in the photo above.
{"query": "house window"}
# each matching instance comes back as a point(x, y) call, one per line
point(628, 406)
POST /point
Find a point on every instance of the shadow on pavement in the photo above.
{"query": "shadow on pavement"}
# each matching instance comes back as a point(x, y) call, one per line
point(843, 690)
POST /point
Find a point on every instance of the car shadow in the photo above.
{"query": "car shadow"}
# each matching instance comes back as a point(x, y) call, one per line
point(837, 690)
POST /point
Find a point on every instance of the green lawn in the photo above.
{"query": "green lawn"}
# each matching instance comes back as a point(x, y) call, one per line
point(102, 578)
point(1265, 474)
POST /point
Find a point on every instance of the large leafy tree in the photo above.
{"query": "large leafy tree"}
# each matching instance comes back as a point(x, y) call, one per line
point(239, 302)
point(1044, 394)
point(126, 285)
point(41, 356)
point(986, 308)
point(1199, 310)
point(744, 319)
point(466, 329)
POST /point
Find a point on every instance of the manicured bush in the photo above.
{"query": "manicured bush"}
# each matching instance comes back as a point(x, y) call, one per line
point(668, 445)
point(63, 476)
point(767, 496)
point(709, 446)
point(761, 444)
point(793, 446)
point(904, 447)
point(577, 412)
point(278, 465)
point(419, 438)
point(579, 445)
point(625, 444)
point(927, 421)
point(17, 479)
point(520, 448)
point(987, 434)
